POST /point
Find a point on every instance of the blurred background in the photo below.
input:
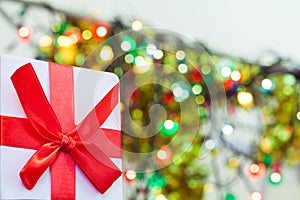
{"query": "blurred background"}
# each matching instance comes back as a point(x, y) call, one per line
point(248, 51)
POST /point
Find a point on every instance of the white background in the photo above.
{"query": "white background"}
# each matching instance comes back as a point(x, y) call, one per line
point(241, 28)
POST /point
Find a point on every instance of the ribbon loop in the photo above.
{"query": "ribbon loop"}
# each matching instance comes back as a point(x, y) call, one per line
point(67, 143)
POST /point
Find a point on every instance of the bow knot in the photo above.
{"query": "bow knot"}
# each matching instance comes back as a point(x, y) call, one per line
point(67, 143)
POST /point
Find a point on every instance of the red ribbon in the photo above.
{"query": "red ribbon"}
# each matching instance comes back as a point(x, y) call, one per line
point(51, 130)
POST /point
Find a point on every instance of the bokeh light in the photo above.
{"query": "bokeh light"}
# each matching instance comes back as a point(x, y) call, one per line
point(137, 25)
point(245, 99)
point(106, 53)
point(275, 178)
point(130, 175)
point(256, 196)
point(101, 31)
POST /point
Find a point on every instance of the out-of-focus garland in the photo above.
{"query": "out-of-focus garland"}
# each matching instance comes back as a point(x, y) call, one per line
point(271, 87)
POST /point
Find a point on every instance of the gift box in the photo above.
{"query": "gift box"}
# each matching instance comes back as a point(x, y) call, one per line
point(60, 132)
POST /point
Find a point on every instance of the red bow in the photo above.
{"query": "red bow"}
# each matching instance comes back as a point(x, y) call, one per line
point(57, 141)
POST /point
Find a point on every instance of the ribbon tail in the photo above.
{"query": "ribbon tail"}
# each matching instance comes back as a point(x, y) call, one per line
point(108, 140)
point(38, 164)
point(100, 170)
point(99, 114)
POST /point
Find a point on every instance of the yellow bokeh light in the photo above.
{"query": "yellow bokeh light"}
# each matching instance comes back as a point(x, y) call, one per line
point(298, 115)
point(208, 187)
point(200, 99)
point(233, 162)
point(45, 41)
point(160, 197)
point(266, 145)
point(137, 25)
point(64, 41)
point(86, 34)
point(245, 99)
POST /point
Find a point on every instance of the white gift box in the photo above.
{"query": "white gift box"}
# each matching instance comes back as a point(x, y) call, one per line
point(12, 159)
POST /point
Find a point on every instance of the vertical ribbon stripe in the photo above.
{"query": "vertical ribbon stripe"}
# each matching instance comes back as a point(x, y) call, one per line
point(62, 102)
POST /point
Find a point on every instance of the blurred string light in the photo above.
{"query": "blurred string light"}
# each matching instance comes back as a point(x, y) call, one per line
point(236, 76)
point(267, 84)
point(275, 178)
point(266, 145)
point(180, 91)
point(180, 55)
point(150, 49)
point(168, 128)
point(298, 115)
point(71, 46)
point(130, 175)
point(87, 34)
point(164, 156)
point(156, 181)
point(182, 68)
point(256, 196)
point(101, 31)
point(137, 25)
point(205, 69)
point(25, 33)
point(233, 163)
point(64, 41)
point(254, 168)
point(128, 43)
point(289, 79)
point(106, 53)
point(45, 41)
point(197, 89)
point(129, 58)
point(160, 197)
point(226, 71)
point(227, 129)
point(139, 60)
point(229, 196)
point(158, 54)
point(255, 171)
point(125, 45)
point(142, 65)
point(210, 144)
point(169, 124)
point(245, 99)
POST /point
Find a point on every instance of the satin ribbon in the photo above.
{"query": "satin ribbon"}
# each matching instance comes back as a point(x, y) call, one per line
point(50, 129)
